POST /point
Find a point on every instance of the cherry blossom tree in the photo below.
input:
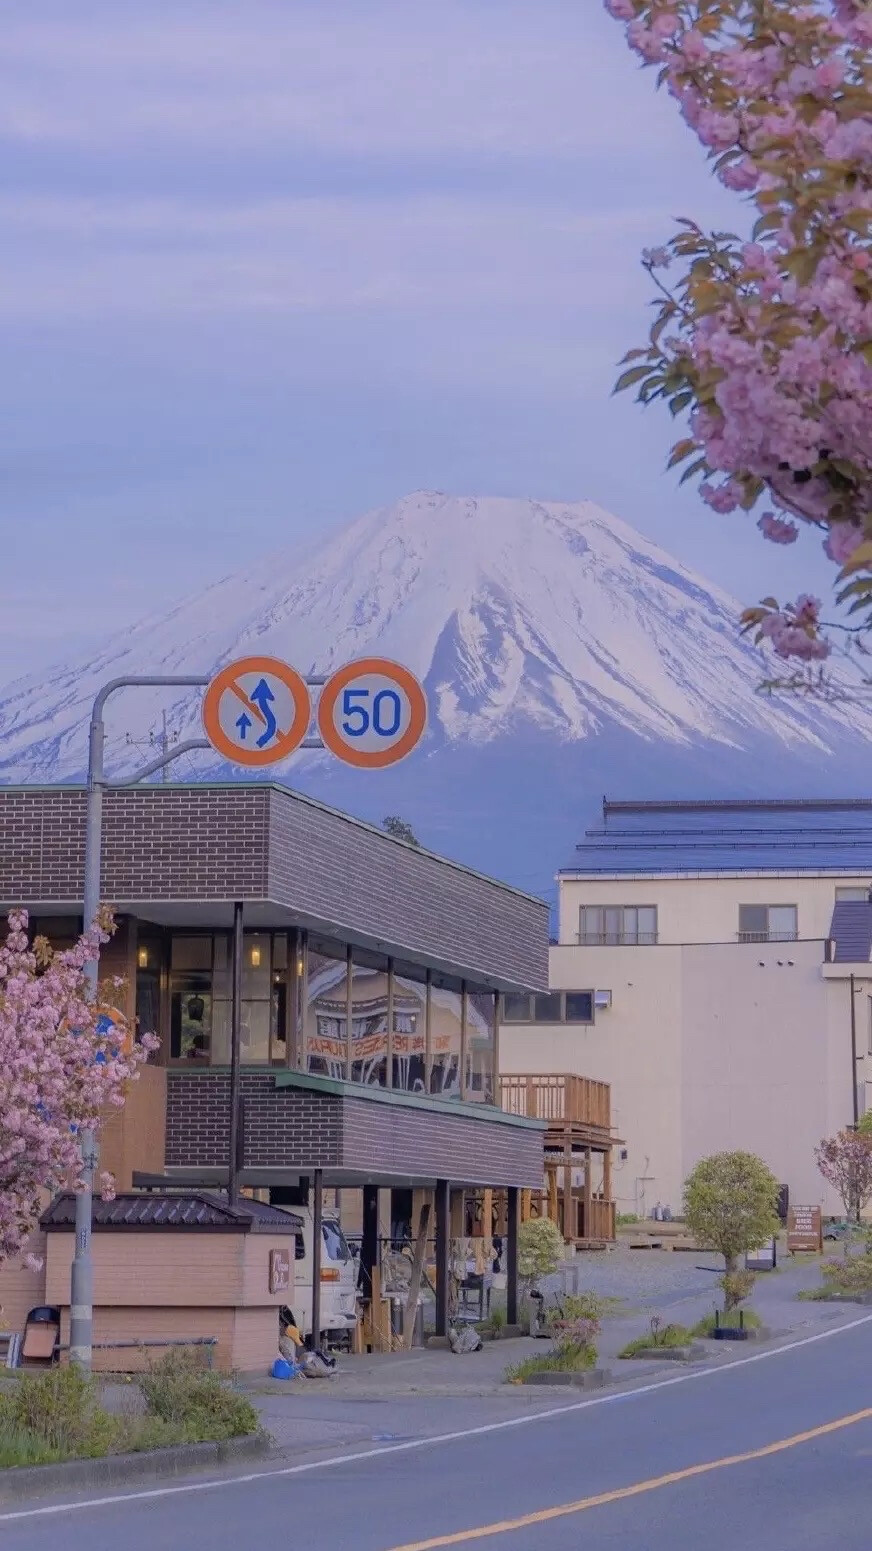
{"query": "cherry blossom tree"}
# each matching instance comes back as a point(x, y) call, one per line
point(60, 1069)
point(845, 1161)
point(766, 341)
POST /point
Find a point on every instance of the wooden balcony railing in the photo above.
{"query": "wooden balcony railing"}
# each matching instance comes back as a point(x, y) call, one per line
point(559, 1100)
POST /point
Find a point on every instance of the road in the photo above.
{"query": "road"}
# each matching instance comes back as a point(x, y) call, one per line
point(776, 1450)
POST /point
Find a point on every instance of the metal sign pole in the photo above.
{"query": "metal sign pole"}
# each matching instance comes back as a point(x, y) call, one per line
point(265, 688)
point(82, 1270)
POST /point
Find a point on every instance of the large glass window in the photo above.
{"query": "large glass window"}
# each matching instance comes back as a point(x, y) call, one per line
point(149, 965)
point(201, 992)
point(369, 1019)
point(613, 925)
point(409, 1043)
point(767, 923)
point(446, 1012)
point(480, 1046)
point(327, 1009)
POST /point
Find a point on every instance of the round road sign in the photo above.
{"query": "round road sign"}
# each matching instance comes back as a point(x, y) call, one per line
point(372, 713)
point(256, 711)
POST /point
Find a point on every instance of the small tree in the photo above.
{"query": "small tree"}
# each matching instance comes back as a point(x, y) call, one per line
point(731, 1206)
point(845, 1161)
point(400, 830)
point(540, 1250)
point(59, 1070)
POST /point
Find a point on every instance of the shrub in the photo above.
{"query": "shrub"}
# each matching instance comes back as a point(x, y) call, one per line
point(737, 1286)
point(565, 1356)
point(626, 1219)
point(730, 1205)
point(182, 1391)
point(659, 1335)
point(749, 1318)
point(851, 1275)
point(59, 1408)
point(540, 1249)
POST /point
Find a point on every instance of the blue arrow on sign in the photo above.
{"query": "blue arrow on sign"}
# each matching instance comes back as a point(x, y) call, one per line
point(262, 696)
point(242, 725)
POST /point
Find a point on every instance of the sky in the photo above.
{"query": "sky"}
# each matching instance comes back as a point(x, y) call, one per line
point(268, 265)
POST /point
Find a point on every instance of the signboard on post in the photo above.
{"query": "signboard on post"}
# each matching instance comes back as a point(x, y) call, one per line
point(256, 711)
point(762, 1259)
point(805, 1230)
point(372, 713)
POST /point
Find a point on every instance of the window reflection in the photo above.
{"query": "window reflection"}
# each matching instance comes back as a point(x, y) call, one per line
point(410, 1029)
point(326, 1010)
point(445, 1029)
point(369, 1020)
point(480, 1046)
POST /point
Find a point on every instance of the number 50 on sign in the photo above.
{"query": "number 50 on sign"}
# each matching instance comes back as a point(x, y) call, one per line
point(372, 713)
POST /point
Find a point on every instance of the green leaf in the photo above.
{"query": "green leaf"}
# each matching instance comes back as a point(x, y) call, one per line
point(681, 401)
point(630, 378)
point(699, 467)
point(680, 451)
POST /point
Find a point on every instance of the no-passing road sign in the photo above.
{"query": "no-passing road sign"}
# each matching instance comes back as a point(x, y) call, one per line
point(256, 711)
point(372, 713)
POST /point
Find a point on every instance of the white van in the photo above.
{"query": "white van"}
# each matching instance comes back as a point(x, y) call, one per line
point(338, 1277)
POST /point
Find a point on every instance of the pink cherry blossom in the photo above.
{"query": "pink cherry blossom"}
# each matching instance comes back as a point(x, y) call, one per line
point(777, 530)
point(58, 1072)
point(765, 343)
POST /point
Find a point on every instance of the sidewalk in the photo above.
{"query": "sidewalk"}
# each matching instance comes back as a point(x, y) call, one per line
point(405, 1395)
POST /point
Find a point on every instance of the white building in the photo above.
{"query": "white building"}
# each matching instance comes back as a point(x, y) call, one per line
point(724, 944)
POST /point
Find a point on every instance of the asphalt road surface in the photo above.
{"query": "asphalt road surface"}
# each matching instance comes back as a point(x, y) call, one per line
point(773, 1450)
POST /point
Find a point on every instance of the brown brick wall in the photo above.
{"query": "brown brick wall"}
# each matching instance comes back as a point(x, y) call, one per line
point(298, 1128)
point(209, 843)
point(326, 866)
point(158, 844)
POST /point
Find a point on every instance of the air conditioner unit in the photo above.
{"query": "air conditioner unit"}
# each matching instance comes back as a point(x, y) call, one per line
point(602, 998)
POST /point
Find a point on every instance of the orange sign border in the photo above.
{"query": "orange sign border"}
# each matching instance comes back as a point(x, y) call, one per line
point(363, 759)
point(288, 743)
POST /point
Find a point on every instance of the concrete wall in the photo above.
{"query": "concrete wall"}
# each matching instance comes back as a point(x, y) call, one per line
point(704, 909)
point(709, 1047)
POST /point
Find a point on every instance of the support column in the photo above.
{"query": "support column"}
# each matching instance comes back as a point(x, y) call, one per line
point(317, 1217)
point(235, 1040)
point(588, 1194)
point(369, 1238)
point(570, 1216)
point(443, 1230)
point(512, 1225)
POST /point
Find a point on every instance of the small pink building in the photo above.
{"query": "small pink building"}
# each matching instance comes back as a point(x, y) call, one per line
point(172, 1268)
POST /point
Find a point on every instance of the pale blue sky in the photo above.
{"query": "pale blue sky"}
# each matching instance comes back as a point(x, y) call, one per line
point(268, 264)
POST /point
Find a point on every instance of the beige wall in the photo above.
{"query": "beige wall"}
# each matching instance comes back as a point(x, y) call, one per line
point(707, 1047)
point(705, 909)
point(21, 1289)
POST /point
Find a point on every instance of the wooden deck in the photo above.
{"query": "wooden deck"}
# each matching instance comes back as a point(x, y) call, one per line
point(577, 1114)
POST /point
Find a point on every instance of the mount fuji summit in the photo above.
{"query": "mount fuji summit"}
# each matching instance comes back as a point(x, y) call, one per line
point(563, 655)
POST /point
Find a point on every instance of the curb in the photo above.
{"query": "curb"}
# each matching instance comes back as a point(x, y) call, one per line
point(116, 1469)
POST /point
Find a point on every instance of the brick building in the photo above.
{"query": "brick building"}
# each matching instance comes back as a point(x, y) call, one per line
point(371, 979)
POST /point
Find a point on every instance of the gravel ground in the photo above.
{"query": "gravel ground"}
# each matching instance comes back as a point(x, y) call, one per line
point(642, 1279)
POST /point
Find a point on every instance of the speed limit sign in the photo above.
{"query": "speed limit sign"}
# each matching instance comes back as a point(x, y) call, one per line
point(372, 713)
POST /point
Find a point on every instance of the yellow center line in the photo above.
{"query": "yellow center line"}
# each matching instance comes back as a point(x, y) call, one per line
point(249, 704)
point(506, 1526)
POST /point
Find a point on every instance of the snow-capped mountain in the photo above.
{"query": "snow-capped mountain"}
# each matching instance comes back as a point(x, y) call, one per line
point(532, 624)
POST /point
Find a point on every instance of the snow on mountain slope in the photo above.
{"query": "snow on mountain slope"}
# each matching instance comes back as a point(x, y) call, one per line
point(519, 615)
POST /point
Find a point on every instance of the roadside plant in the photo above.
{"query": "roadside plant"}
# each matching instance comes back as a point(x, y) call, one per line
point(845, 1161)
point(60, 1070)
point(730, 1207)
point(736, 1287)
point(540, 1250)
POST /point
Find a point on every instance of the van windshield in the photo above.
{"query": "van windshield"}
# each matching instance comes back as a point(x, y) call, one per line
point(334, 1242)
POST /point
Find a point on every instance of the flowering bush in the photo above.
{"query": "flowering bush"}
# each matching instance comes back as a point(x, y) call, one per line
point(767, 343)
point(59, 1070)
point(845, 1161)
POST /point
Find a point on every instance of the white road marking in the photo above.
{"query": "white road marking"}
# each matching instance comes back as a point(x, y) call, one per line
point(220, 1482)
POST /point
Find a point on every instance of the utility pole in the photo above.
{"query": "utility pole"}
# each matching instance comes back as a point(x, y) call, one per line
point(854, 1097)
